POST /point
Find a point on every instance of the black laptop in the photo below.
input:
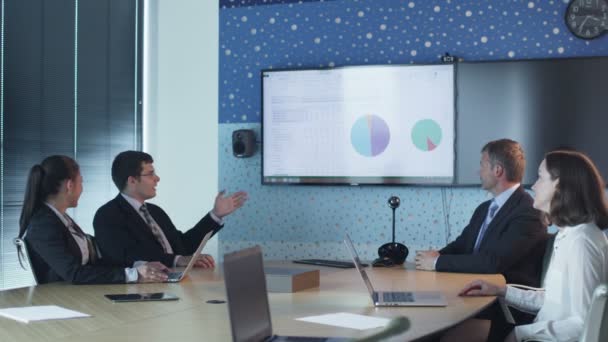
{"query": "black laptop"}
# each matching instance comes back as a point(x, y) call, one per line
point(248, 299)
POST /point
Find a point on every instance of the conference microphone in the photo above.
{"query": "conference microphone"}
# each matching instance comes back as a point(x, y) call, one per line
point(396, 326)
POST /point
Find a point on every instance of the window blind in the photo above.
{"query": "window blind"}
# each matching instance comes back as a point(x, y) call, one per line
point(70, 84)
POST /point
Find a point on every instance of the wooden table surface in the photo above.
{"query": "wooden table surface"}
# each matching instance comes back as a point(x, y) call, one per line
point(192, 319)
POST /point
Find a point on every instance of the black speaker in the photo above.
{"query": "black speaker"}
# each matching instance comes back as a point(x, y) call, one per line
point(243, 143)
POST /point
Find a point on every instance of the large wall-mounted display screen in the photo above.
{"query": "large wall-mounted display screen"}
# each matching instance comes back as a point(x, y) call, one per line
point(359, 125)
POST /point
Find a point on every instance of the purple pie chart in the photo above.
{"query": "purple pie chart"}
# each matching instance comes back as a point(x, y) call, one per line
point(370, 135)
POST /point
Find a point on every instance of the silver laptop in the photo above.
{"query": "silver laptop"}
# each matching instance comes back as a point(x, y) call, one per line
point(175, 277)
point(248, 299)
point(386, 298)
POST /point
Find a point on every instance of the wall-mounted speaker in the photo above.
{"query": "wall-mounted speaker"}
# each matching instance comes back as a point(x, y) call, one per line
point(243, 143)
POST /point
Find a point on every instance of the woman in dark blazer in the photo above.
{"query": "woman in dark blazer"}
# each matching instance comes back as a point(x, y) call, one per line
point(59, 249)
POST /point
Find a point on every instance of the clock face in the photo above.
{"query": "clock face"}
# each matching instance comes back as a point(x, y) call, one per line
point(587, 19)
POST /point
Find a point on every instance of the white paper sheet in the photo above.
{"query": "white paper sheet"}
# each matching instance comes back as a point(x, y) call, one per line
point(40, 313)
point(347, 320)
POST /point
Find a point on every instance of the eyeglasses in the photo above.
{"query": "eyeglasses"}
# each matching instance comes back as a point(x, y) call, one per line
point(153, 174)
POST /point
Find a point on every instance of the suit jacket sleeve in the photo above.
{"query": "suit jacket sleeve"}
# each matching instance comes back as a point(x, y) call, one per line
point(184, 243)
point(46, 236)
point(522, 234)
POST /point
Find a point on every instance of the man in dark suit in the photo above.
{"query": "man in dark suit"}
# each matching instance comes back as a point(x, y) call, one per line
point(506, 234)
point(128, 229)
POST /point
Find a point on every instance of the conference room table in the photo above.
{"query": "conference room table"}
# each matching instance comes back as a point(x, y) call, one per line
point(192, 318)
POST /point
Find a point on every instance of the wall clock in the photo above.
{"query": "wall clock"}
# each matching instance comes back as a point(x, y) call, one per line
point(587, 19)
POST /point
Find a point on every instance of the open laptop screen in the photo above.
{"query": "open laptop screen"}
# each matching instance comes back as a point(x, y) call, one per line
point(355, 256)
point(197, 253)
point(247, 296)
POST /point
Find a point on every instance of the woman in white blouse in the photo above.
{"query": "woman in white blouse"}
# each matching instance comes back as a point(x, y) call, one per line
point(570, 192)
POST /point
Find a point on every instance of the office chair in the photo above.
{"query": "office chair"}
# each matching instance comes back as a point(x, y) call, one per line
point(596, 324)
point(395, 327)
point(545, 266)
point(24, 261)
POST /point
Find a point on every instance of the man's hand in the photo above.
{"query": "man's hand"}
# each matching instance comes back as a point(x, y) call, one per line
point(482, 288)
point(152, 272)
point(425, 260)
point(226, 205)
point(203, 260)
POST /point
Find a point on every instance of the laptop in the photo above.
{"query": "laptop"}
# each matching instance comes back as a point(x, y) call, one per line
point(326, 262)
point(248, 299)
point(177, 276)
point(390, 298)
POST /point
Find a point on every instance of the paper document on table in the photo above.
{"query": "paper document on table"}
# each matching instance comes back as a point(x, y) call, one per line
point(40, 313)
point(347, 320)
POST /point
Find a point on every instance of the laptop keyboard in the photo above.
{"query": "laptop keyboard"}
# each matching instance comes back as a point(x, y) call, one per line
point(397, 297)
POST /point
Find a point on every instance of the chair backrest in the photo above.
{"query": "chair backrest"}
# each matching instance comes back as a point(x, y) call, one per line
point(25, 263)
point(596, 324)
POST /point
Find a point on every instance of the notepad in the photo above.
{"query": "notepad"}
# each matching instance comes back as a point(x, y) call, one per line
point(347, 320)
point(40, 313)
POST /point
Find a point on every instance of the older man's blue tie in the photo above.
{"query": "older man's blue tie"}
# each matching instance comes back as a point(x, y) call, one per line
point(484, 226)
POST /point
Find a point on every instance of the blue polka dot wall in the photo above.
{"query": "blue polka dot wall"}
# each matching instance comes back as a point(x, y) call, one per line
point(310, 221)
point(335, 33)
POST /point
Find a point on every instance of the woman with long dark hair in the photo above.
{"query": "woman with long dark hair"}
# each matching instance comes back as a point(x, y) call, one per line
point(570, 192)
point(59, 249)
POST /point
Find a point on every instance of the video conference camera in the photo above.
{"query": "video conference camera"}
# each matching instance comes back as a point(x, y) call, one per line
point(392, 253)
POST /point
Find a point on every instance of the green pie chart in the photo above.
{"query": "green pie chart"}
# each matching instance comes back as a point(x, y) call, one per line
point(426, 135)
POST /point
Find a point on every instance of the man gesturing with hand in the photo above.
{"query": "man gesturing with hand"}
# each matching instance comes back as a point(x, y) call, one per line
point(130, 229)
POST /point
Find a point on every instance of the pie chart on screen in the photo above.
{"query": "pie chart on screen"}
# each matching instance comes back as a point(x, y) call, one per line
point(426, 135)
point(370, 135)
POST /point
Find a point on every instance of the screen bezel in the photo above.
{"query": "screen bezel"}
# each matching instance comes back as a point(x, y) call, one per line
point(374, 181)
